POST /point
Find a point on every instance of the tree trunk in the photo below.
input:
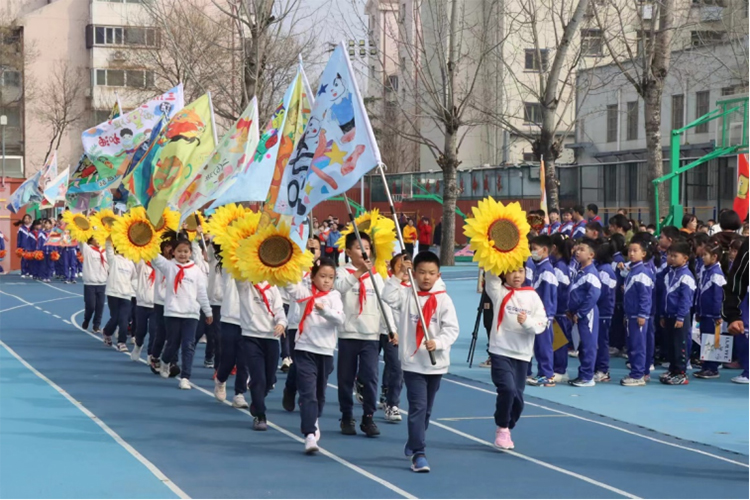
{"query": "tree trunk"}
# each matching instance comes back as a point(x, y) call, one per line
point(654, 157)
point(449, 164)
point(545, 148)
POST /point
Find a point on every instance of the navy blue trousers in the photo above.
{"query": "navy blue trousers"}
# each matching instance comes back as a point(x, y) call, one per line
point(393, 377)
point(180, 336)
point(354, 354)
point(509, 377)
point(602, 351)
point(638, 347)
point(420, 393)
point(291, 377)
point(232, 354)
point(145, 322)
point(262, 356)
point(312, 378)
point(93, 299)
point(119, 315)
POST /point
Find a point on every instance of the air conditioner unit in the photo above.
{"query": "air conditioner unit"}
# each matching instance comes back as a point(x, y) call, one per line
point(118, 55)
point(710, 13)
point(647, 12)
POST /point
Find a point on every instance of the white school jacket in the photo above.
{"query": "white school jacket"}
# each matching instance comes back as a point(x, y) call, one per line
point(122, 277)
point(190, 297)
point(95, 265)
point(295, 311)
point(364, 326)
point(443, 327)
point(514, 340)
point(160, 287)
point(255, 319)
point(319, 331)
point(230, 305)
point(215, 281)
point(145, 284)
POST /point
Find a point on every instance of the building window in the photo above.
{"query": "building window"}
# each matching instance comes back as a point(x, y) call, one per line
point(678, 111)
point(13, 115)
point(701, 108)
point(532, 112)
point(136, 78)
point(725, 91)
point(612, 116)
point(132, 36)
point(632, 119)
point(591, 42)
point(392, 83)
point(528, 157)
point(402, 13)
point(10, 79)
point(701, 38)
point(532, 62)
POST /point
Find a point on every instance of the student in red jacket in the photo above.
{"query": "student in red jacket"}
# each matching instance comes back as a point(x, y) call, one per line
point(424, 230)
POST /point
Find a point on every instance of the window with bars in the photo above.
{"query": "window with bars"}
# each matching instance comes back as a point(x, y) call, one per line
point(632, 121)
point(532, 60)
point(591, 42)
point(678, 111)
point(701, 38)
point(135, 78)
point(612, 123)
point(532, 112)
point(122, 36)
point(13, 114)
point(702, 103)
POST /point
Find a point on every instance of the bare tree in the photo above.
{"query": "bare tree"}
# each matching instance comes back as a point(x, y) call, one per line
point(60, 101)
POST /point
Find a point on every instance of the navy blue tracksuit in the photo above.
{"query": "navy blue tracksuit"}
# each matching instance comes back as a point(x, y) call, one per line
point(584, 294)
point(680, 287)
point(637, 303)
point(709, 298)
point(562, 273)
point(545, 284)
point(606, 305)
point(617, 336)
point(233, 354)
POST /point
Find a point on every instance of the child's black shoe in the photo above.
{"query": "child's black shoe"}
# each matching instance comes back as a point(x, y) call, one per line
point(368, 426)
point(348, 427)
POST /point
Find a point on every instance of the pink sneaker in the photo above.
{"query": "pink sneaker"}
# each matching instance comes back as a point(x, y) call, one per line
point(502, 439)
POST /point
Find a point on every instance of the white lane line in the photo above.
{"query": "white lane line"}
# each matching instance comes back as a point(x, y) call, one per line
point(626, 431)
point(458, 419)
point(38, 308)
point(280, 429)
point(56, 316)
point(150, 466)
point(66, 321)
point(29, 303)
point(47, 312)
point(62, 290)
point(527, 458)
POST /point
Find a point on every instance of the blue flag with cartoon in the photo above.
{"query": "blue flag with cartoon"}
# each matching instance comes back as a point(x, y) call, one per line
point(25, 194)
point(337, 148)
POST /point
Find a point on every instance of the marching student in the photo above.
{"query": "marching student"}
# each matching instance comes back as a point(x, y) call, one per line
point(637, 309)
point(421, 377)
point(145, 320)
point(95, 275)
point(24, 226)
point(322, 313)
point(583, 312)
point(393, 377)
point(560, 258)
point(206, 259)
point(606, 306)
point(263, 322)
point(617, 332)
point(185, 297)
point(119, 290)
point(160, 292)
point(359, 338)
point(31, 247)
point(521, 319)
point(545, 283)
point(41, 246)
point(680, 287)
point(710, 295)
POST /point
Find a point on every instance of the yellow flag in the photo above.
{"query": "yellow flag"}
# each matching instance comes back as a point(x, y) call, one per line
point(558, 337)
point(188, 142)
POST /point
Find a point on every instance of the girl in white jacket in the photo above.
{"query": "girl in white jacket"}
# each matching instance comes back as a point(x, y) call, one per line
point(95, 272)
point(119, 290)
point(144, 309)
point(263, 322)
point(160, 293)
point(520, 317)
point(185, 297)
point(322, 312)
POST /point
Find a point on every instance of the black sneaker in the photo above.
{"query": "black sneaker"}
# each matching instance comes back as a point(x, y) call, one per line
point(209, 363)
point(287, 401)
point(706, 374)
point(368, 426)
point(677, 379)
point(85, 325)
point(174, 370)
point(348, 427)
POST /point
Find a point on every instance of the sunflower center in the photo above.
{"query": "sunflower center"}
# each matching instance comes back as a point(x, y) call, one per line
point(82, 223)
point(364, 225)
point(107, 221)
point(140, 233)
point(275, 251)
point(505, 235)
point(160, 224)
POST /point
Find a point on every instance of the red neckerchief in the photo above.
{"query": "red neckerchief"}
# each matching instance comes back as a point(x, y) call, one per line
point(100, 252)
point(262, 292)
point(362, 289)
point(309, 306)
point(506, 299)
point(152, 276)
point(180, 275)
point(429, 308)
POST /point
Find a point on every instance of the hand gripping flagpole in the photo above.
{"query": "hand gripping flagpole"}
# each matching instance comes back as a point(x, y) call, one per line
point(403, 251)
point(372, 273)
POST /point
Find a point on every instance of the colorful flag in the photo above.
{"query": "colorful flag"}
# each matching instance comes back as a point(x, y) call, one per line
point(233, 155)
point(102, 200)
point(25, 194)
point(138, 179)
point(543, 200)
point(78, 202)
point(58, 188)
point(741, 200)
point(337, 148)
point(110, 145)
point(49, 172)
point(190, 140)
point(86, 179)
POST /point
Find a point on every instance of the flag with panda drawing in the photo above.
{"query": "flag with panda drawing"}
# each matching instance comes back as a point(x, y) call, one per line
point(337, 148)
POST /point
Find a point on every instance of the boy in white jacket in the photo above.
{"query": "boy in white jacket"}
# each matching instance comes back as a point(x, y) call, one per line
point(144, 309)
point(95, 273)
point(521, 316)
point(185, 297)
point(119, 290)
point(322, 312)
point(263, 322)
point(421, 377)
point(359, 338)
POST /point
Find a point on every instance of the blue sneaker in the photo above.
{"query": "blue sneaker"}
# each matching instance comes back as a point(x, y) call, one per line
point(542, 381)
point(419, 464)
point(579, 382)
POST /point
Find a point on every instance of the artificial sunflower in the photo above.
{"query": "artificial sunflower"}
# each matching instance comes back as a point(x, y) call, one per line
point(169, 220)
point(101, 222)
point(382, 233)
point(221, 219)
point(498, 235)
point(192, 222)
point(79, 226)
point(271, 255)
point(134, 236)
point(236, 232)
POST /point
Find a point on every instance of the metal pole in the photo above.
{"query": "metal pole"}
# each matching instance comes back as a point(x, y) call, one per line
point(372, 273)
point(3, 176)
point(403, 250)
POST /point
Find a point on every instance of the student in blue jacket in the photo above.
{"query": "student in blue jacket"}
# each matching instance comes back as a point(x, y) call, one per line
point(561, 248)
point(24, 228)
point(545, 283)
point(709, 296)
point(680, 287)
point(606, 306)
point(583, 312)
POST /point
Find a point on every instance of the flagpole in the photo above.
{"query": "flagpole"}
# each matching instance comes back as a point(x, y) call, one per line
point(403, 251)
point(372, 273)
point(213, 119)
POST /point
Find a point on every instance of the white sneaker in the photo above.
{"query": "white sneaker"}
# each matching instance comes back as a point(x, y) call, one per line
point(561, 378)
point(572, 354)
point(285, 364)
point(739, 379)
point(238, 401)
point(131, 340)
point(184, 384)
point(392, 414)
point(220, 391)
point(317, 430)
point(122, 347)
point(311, 444)
point(164, 370)
point(135, 354)
point(202, 340)
point(486, 364)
